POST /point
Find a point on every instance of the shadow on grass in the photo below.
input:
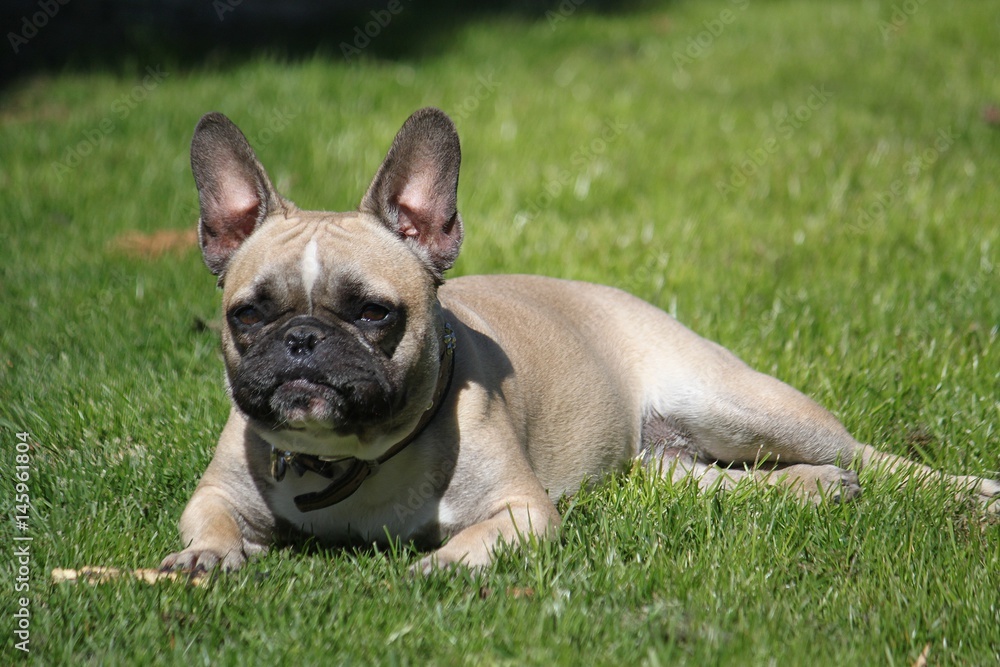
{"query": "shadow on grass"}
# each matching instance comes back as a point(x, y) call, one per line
point(127, 35)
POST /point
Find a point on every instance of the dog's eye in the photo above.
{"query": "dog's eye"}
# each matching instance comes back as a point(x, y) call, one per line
point(247, 316)
point(373, 312)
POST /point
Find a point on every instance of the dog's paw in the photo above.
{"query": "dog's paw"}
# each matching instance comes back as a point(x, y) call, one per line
point(434, 563)
point(424, 567)
point(846, 488)
point(987, 493)
point(820, 483)
point(449, 560)
point(202, 560)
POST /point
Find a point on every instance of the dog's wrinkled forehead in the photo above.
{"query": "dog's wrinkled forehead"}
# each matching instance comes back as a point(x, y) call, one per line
point(303, 259)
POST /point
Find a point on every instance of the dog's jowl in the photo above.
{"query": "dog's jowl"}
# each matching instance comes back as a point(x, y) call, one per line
point(372, 400)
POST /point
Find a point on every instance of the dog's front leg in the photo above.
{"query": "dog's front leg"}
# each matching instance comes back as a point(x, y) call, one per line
point(210, 528)
point(512, 524)
point(227, 519)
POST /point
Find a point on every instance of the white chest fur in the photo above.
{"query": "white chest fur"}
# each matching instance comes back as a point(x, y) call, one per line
point(400, 500)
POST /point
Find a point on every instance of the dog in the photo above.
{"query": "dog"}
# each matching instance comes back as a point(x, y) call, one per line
point(373, 401)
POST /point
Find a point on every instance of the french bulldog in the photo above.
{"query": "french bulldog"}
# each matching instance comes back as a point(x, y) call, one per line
point(373, 401)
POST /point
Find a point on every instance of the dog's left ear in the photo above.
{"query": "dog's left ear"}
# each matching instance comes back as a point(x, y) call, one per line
point(415, 191)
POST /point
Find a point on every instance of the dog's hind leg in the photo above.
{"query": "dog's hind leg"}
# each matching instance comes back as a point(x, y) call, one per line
point(737, 416)
point(985, 491)
point(668, 447)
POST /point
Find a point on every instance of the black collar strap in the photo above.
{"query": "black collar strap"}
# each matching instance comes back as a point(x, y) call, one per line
point(358, 470)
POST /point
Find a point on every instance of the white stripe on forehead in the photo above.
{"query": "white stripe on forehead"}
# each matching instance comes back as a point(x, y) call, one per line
point(310, 269)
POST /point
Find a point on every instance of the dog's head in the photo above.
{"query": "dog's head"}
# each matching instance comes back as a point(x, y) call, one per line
point(333, 332)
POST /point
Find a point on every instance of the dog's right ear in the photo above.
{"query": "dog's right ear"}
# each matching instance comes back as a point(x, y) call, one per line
point(234, 191)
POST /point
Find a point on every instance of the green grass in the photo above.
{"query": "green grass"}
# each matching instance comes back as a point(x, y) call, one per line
point(857, 261)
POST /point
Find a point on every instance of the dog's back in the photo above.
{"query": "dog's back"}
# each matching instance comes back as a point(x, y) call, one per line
point(623, 363)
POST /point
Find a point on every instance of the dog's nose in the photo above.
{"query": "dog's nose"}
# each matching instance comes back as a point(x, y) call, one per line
point(301, 340)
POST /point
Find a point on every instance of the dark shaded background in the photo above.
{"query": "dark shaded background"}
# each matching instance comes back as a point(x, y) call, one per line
point(118, 34)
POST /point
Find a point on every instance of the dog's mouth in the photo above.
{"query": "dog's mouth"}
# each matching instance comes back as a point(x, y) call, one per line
point(310, 403)
point(299, 403)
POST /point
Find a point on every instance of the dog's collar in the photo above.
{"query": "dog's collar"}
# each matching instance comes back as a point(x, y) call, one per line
point(358, 470)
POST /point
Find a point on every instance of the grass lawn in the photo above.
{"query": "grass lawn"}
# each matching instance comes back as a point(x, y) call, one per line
point(813, 185)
